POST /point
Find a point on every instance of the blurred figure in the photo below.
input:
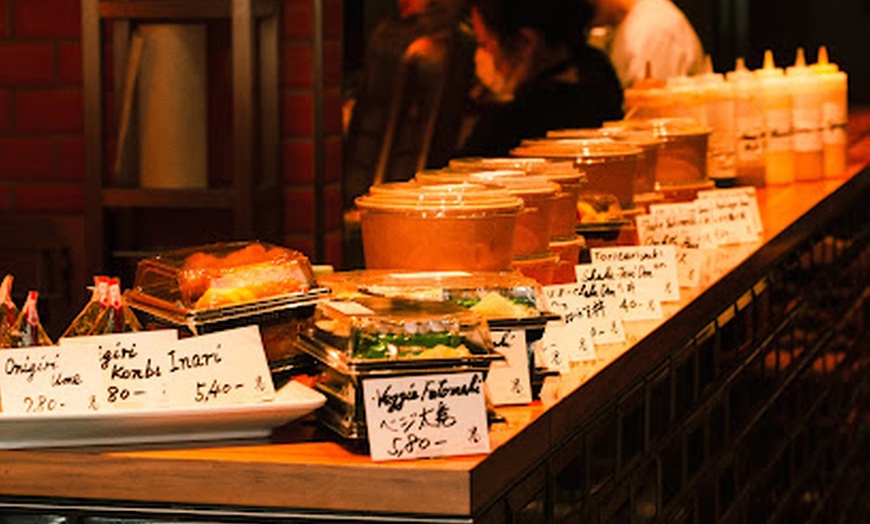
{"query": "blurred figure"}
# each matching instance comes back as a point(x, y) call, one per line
point(539, 73)
point(648, 32)
point(404, 111)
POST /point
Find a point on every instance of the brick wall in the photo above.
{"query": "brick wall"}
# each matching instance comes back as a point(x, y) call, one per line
point(41, 115)
point(41, 140)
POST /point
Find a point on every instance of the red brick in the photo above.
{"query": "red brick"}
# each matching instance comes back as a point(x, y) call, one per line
point(4, 19)
point(299, 211)
point(297, 115)
point(70, 64)
point(5, 110)
point(5, 201)
point(334, 218)
point(303, 243)
point(333, 159)
point(332, 249)
point(296, 66)
point(26, 64)
point(296, 23)
point(332, 73)
point(44, 111)
point(333, 23)
point(71, 158)
point(54, 19)
point(49, 198)
point(298, 162)
point(26, 158)
point(332, 104)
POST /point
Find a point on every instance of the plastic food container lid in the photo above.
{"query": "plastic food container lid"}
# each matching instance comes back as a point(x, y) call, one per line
point(521, 296)
point(582, 150)
point(663, 127)
point(446, 198)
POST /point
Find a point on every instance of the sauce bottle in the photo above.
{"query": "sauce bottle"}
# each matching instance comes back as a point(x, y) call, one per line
point(748, 125)
point(806, 95)
point(778, 133)
point(835, 113)
point(718, 97)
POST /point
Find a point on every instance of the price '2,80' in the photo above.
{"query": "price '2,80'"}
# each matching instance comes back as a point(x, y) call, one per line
point(41, 404)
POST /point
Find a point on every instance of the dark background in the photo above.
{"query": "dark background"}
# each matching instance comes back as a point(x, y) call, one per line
point(728, 29)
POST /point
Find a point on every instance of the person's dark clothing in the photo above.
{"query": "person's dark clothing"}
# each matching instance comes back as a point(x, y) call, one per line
point(546, 104)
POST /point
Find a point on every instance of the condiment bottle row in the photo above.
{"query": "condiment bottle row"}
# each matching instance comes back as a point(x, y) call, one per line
point(769, 126)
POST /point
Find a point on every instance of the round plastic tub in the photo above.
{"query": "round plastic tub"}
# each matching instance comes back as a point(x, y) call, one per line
point(541, 268)
point(610, 166)
point(568, 252)
point(645, 179)
point(533, 231)
point(683, 155)
point(565, 173)
point(406, 225)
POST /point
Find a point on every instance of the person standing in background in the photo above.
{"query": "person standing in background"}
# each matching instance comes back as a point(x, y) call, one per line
point(648, 32)
point(539, 73)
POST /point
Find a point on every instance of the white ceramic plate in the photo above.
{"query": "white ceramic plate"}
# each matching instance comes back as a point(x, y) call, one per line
point(292, 401)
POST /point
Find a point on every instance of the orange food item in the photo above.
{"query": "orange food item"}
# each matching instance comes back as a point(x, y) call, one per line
point(245, 275)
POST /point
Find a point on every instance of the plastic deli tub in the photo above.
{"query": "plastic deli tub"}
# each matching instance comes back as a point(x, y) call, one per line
point(406, 225)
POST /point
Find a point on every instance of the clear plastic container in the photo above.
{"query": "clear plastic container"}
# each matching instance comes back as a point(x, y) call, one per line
point(610, 166)
point(438, 227)
point(258, 283)
point(568, 251)
point(498, 297)
point(373, 336)
point(534, 223)
point(682, 158)
point(563, 172)
point(645, 180)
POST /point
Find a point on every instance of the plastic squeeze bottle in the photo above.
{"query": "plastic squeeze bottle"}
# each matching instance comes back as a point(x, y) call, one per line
point(835, 113)
point(806, 93)
point(748, 125)
point(718, 97)
point(648, 97)
point(778, 132)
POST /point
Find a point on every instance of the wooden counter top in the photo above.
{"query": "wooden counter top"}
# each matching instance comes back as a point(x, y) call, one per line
point(305, 467)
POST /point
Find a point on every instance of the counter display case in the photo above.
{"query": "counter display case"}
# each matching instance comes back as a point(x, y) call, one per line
point(746, 403)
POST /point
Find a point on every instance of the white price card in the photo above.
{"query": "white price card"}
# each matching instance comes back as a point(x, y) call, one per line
point(423, 416)
point(509, 381)
point(48, 379)
point(133, 367)
point(653, 269)
point(592, 303)
point(748, 200)
point(566, 342)
point(220, 368)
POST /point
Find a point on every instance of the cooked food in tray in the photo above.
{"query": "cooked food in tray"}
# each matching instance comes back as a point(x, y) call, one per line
point(224, 274)
point(394, 328)
point(492, 295)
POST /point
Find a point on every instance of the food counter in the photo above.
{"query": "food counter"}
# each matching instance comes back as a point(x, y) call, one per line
point(748, 399)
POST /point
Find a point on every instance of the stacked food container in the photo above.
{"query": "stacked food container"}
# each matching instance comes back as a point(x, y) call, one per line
point(388, 323)
point(210, 288)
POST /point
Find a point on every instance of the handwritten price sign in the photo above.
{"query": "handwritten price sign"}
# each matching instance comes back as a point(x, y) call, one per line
point(44, 380)
point(423, 416)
